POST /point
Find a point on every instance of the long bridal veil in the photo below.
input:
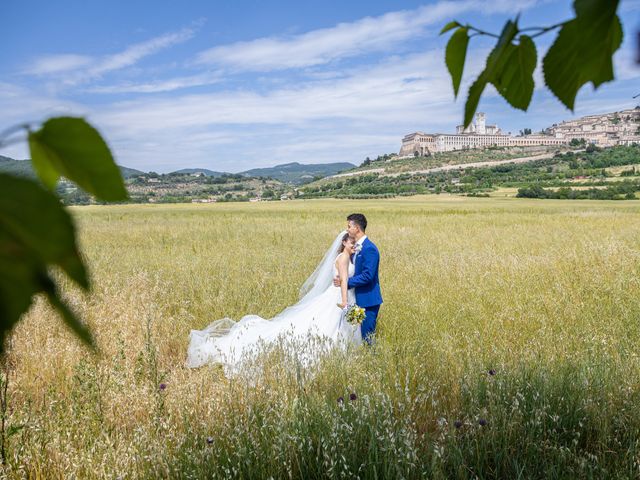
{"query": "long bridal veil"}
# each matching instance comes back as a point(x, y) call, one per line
point(322, 276)
point(231, 338)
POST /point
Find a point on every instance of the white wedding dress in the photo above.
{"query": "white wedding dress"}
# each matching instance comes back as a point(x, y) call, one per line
point(316, 316)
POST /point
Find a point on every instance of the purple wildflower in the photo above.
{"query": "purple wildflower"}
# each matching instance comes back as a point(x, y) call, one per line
point(492, 372)
point(482, 422)
point(457, 424)
point(209, 440)
point(353, 397)
point(162, 387)
point(341, 400)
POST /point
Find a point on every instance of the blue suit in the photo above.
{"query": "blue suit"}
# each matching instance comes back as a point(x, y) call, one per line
point(367, 286)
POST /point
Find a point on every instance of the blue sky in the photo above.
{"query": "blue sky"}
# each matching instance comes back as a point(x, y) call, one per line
point(236, 85)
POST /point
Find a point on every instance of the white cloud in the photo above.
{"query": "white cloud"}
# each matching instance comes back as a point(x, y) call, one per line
point(370, 34)
point(58, 63)
point(363, 113)
point(20, 105)
point(73, 69)
point(161, 85)
point(625, 66)
point(134, 53)
point(397, 88)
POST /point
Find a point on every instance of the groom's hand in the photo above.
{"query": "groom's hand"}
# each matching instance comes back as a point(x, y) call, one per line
point(336, 281)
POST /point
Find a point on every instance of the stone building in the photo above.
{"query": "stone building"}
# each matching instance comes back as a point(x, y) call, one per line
point(605, 130)
point(479, 127)
point(618, 128)
point(477, 135)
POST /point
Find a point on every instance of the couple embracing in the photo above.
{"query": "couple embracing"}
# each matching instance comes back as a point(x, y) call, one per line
point(347, 275)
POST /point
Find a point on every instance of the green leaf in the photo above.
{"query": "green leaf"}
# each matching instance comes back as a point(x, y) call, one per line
point(16, 284)
point(513, 76)
point(495, 63)
point(73, 148)
point(43, 167)
point(35, 219)
point(455, 55)
point(449, 26)
point(36, 232)
point(583, 51)
point(473, 98)
point(509, 68)
point(496, 57)
point(592, 9)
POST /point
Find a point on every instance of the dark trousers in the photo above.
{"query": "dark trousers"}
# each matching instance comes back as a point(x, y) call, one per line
point(368, 327)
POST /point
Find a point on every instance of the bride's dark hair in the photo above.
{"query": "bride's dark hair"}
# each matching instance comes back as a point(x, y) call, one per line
point(345, 237)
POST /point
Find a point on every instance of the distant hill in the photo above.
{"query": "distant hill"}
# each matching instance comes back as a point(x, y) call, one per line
point(295, 173)
point(130, 172)
point(208, 173)
point(24, 168)
point(298, 173)
point(16, 167)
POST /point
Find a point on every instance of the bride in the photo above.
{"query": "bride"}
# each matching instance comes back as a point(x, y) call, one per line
point(318, 314)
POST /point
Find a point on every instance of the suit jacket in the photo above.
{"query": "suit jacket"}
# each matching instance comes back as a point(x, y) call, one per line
point(365, 278)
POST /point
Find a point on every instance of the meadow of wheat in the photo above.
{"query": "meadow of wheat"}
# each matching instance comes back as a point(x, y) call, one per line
point(508, 347)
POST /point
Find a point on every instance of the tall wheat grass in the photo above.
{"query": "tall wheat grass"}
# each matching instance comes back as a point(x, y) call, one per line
point(507, 347)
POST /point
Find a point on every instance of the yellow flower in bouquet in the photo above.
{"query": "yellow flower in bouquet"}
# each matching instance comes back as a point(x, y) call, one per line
point(355, 314)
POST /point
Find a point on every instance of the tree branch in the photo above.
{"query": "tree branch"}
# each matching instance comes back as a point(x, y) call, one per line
point(482, 32)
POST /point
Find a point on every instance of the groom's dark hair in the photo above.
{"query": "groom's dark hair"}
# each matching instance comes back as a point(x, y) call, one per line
point(359, 219)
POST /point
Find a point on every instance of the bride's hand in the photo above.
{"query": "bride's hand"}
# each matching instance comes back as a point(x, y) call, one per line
point(342, 305)
point(336, 281)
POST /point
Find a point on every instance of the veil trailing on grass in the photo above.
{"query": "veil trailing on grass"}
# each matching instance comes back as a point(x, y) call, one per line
point(316, 314)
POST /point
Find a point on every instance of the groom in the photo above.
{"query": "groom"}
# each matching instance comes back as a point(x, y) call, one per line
point(365, 279)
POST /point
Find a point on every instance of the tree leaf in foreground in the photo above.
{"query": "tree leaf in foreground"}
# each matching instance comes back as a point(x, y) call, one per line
point(72, 148)
point(514, 80)
point(449, 26)
point(36, 232)
point(455, 56)
point(495, 64)
point(583, 51)
point(473, 98)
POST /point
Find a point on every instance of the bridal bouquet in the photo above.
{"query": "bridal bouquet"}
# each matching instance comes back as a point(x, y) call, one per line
point(355, 314)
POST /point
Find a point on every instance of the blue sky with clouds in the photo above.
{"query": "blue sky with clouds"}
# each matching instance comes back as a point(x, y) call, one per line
point(236, 85)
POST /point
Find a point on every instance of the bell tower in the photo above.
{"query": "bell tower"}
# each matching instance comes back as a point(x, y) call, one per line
point(481, 128)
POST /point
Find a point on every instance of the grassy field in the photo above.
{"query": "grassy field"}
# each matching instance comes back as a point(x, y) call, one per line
point(508, 346)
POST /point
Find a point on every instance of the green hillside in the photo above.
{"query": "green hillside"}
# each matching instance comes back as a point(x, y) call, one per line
point(16, 167)
point(612, 173)
point(457, 157)
point(204, 171)
point(130, 172)
point(298, 173)
point(292, 173)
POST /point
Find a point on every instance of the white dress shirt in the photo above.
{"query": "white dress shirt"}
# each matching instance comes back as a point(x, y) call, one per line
point(359, 242)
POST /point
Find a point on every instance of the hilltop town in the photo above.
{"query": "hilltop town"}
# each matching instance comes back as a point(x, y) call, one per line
point(604, 130)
